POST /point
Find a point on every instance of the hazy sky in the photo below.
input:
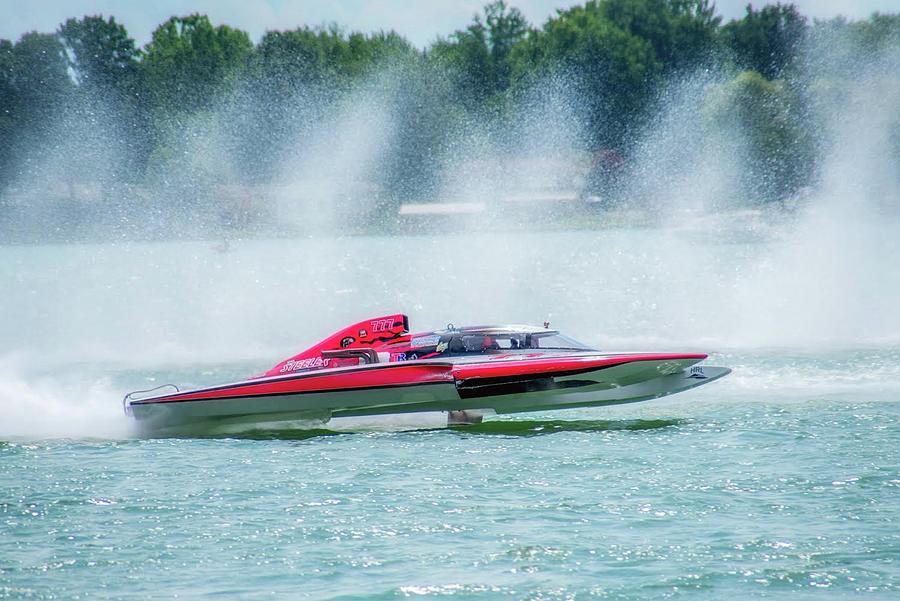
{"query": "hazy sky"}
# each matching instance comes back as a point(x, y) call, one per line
point(420, 21)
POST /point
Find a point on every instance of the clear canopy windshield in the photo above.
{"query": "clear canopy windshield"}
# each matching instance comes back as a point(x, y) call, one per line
point(557, 341)
point(502, 341)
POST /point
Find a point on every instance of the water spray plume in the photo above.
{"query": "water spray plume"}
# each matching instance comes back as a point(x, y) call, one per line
point(721, 264)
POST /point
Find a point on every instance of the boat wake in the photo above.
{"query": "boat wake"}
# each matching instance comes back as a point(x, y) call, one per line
point(36, 407)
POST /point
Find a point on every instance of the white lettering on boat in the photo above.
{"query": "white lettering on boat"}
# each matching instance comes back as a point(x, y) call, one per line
point(425, 341)
point(311, 363)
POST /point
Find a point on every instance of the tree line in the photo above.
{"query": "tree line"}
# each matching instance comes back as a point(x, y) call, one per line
point(614, 56)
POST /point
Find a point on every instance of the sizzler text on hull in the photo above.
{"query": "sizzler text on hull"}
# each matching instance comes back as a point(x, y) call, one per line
point(376, 367)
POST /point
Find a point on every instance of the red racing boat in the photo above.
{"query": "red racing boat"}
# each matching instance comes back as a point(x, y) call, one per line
point(377, 367)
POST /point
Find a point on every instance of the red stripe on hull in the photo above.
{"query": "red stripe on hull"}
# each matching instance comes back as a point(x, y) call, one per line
point(395, 375)
point(406, 374)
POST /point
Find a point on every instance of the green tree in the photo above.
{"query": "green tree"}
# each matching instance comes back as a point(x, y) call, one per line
point(100, 54)
point(467, 58)
point(285, 62)
point(878, 33)
point(506, 27)
point(34, 89)
point(34, 84)
point(108, 109)
point(7, 90)
point(778, 147)
point(189, 63)
point(683, 33)
point(768, 40)
point(479, 57)
point(39, 74)
point(608, 68)
point(368, 52)
point(325, 56)
point(294, 74)
point(8, 114)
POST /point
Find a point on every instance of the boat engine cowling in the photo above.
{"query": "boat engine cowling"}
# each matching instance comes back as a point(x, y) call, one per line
point(369, 334)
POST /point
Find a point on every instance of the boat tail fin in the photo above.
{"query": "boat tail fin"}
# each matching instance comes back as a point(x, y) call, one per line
point(370, 333)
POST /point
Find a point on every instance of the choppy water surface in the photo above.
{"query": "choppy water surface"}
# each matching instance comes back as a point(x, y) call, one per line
point(781, 480)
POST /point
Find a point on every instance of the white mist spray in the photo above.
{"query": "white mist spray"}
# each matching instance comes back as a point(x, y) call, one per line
point(328, 179)
point(833, 279)
point(184, 308)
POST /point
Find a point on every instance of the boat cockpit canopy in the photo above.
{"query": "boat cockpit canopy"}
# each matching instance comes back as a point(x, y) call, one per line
point(481, 340)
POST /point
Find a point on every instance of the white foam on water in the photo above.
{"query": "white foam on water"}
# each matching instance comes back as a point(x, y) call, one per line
point(42, 406)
